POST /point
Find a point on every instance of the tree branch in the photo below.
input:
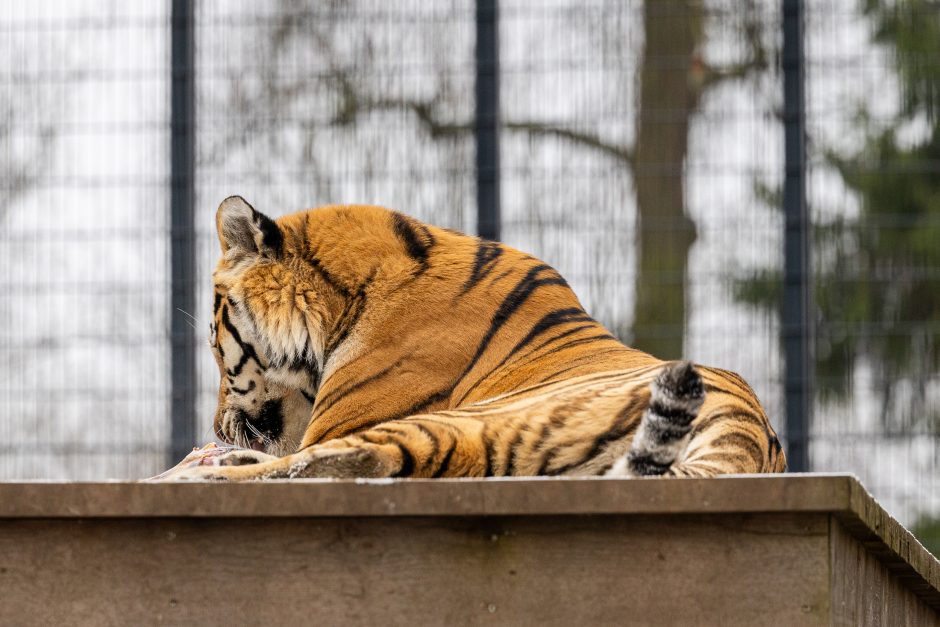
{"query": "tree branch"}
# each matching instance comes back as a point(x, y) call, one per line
point(590, 140)
point(757, 54)
point(353, 105)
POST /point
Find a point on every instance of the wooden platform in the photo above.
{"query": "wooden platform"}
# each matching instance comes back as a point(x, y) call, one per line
point(759, 550)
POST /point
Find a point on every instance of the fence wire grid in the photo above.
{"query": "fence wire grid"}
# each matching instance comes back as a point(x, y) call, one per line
point(620, 123)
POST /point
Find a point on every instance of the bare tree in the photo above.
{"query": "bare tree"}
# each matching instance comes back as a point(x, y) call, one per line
point(673, 78)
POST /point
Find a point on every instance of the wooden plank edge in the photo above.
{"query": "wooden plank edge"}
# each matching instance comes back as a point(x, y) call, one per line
point(438, 497)
point(892, 544)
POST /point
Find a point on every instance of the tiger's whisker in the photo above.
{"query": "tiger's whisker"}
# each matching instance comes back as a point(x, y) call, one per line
point(189, 315)
point(265, 439)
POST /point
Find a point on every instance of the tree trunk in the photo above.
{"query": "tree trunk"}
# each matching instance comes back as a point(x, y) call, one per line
point(670, 88)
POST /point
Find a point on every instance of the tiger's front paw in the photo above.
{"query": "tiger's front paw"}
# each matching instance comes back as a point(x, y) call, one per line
point(241, 457)
point(234, 468)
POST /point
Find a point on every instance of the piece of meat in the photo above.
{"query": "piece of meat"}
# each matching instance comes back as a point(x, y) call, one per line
point(200, 457)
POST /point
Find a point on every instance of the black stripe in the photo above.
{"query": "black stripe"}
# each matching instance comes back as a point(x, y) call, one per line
point(216, 304)
point(557, 421)
point(547, 322)
point(430, 435)
point(426, 402)
point(548, 379)
point(778, 452)
point(563, 335)
point(407, 461)
point(342, 392)
point(739, 441)
point(435, 443)
point(727, 413)
point(370, 439)
point(526, 391)
point(445, 462)
point(645, 465)
point(313, 371)
point(389, 429)
point(715, 388)
point(239, 391)
point(731, 376)
point(662, 435)
point(342, 423)
point(513, 301)
point(349, 317)
point(296, 364)
point(544, 434)
point(514, 449)
point(416, 248)
point(227, 324)
point(736, 413)
point(490, 453)
point(400, 429)
point(622, 427)
point(237, 370)
point(309, 255)
point(502, 275)
point(422, 404)
point(311, 259)
point(487, 256)
point(310, 398)
point(551, 320)
point(248, 352)
point(672, 414)
point(581, 341)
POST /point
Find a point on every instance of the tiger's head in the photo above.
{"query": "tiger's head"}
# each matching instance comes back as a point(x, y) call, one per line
point(266, 333)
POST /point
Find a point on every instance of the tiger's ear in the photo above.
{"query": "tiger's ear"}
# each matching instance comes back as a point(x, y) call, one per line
point(250, 232)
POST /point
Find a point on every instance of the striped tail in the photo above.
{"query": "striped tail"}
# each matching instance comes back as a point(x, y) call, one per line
point(676, 396)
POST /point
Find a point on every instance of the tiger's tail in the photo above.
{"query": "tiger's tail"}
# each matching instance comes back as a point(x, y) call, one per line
point(676, 395)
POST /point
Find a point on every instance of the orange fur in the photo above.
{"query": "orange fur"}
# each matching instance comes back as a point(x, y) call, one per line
point(382, 346)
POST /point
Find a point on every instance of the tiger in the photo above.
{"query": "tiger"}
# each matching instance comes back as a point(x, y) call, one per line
point(358, 342)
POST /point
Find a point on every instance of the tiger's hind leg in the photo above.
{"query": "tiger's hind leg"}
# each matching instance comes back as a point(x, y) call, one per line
point(676, 395)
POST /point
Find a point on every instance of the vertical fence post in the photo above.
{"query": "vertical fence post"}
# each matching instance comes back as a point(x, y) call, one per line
point(487, 118)
point(797, 319)
point(182, 230)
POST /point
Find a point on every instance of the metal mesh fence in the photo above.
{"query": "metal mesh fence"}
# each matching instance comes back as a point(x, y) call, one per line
point(641, 155)
point(83, 163)
point(877, 238)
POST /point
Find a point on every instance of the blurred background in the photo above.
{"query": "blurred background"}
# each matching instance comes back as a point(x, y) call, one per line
point(751, 184)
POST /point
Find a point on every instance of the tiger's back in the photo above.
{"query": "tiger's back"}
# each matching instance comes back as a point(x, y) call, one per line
point(393, 348)
point(453, 321)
